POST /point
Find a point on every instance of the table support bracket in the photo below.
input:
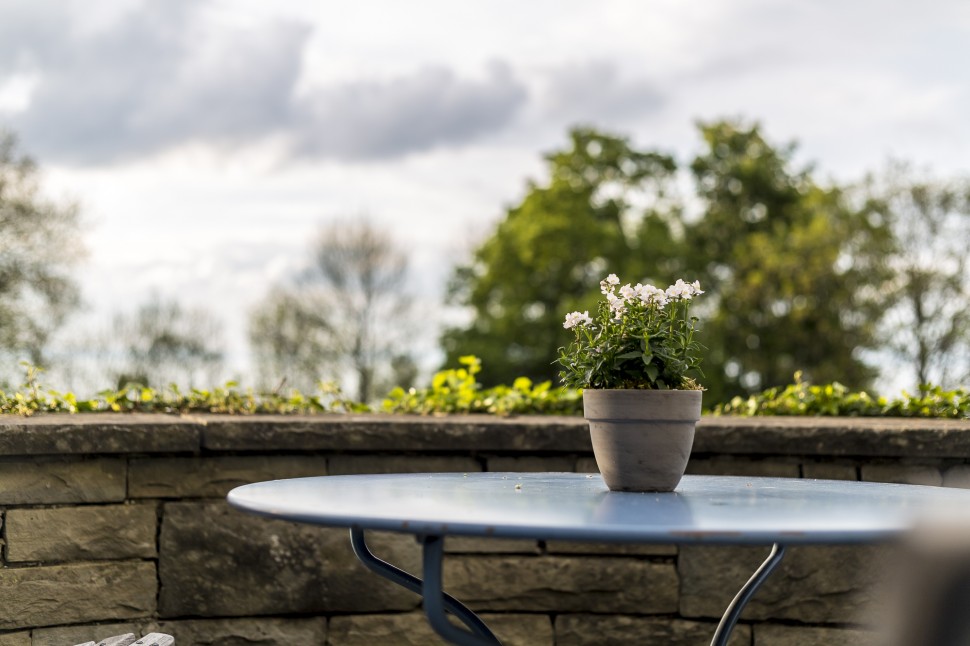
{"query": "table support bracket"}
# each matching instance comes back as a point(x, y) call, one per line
point(733, 612)
point(436, 600)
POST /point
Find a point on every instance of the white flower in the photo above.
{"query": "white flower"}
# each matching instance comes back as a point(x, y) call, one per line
point(679, 291)
point(617, 304)
point(650, 294)
point(682, 290)
point(577, 318)
point(609, 283)
point(628, 292)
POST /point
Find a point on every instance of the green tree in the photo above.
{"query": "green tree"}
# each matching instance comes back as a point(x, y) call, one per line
point(347, 312)
point(605, 208)
point(927, 323)
point(39, 246)
point(788, 264)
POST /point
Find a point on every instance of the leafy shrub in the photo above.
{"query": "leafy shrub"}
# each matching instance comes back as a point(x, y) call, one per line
point(32, 398)
point(458, 391)
point(803, 398)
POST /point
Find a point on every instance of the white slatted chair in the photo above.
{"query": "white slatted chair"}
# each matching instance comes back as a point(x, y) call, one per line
point(129, 639)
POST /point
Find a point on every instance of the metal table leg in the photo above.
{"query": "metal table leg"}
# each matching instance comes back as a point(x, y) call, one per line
point(733, 612)
point(436, 600)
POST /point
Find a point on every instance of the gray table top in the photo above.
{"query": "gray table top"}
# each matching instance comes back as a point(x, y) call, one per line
point(570, 506)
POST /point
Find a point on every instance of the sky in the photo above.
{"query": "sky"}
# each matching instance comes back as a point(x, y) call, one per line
point(207, 141)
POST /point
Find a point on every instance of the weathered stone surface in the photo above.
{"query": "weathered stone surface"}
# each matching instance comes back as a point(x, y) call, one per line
point(214, 477)
point(397, 433)
point(599, 549)
point(76, 593)
point(81, 533)
point(807, 436)
point(40, 481)
point(94, 433)
point(473, 545)
point(836, 436)
point(215, 561)
point(264, 631)
point(957, 476)
point(412, 629)
point(812, 584)
point(534, 464)
point(66, 635)
point(348, 464)
point(619, 630)
point(837, 470)
point(903, 473)
point(733, 466)
point(562, 584)
point(777, 635)
point(15, 639)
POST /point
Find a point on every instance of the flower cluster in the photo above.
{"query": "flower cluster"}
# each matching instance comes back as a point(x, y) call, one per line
point(577, 318)
point(642, 337)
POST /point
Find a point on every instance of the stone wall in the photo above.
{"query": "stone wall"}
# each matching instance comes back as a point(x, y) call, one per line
point(117, 523)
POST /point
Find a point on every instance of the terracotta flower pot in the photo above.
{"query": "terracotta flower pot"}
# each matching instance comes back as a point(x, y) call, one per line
point(642, 438)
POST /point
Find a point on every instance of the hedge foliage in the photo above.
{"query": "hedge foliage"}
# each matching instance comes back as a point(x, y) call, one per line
point(457, 390)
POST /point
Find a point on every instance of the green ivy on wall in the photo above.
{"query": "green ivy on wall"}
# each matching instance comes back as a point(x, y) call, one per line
point(457, 390)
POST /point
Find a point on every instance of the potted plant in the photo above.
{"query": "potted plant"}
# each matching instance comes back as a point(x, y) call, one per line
point(635, 362)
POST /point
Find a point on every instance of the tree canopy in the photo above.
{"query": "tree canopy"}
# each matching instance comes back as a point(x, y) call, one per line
point(788, 263)
point(161, 343)
point(39, 246)
point(793, 269)
point(347, 311)
point(927, 325)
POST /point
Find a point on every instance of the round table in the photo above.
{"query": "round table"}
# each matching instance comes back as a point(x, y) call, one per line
point(579, 507)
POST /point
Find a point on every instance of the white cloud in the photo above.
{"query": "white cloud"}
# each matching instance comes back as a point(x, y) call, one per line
point(369, 119)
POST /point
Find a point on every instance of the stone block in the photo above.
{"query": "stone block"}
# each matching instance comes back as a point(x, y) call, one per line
point(264, 631)
point(739, 466)
point(617, 549)
point(957, 476)
point(214, 477)
point(16, 639)
point(374, 432)
point(832, 436)
point(779, 635)
point(475, 545)
point(98, 434)
point(349, 464)
point(34, 481)
point(81, 533)
point(812, 584)
point(620, 630)
point(534, 464)
point(76, 593)
point(215, 562)
point(903, 473)
point(823, 470)
point(412, 629)
point(66, 635)
point(562, 584)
